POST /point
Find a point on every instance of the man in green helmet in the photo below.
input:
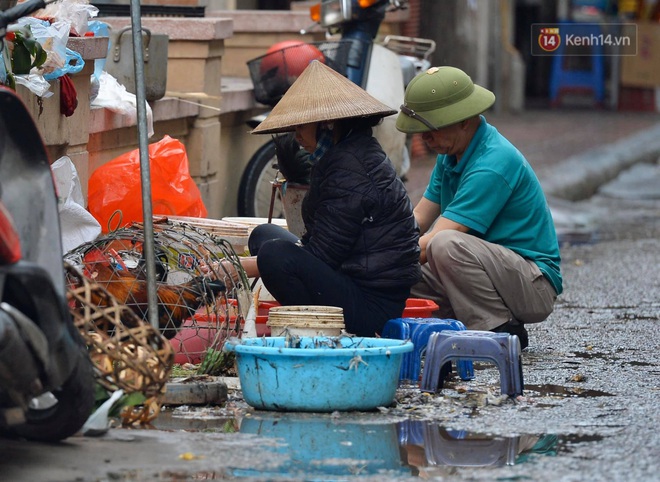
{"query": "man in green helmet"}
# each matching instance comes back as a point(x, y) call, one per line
point(489, 251)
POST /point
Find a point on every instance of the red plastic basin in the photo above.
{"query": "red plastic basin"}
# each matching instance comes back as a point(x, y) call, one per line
point(419, 308)
point(198, 333)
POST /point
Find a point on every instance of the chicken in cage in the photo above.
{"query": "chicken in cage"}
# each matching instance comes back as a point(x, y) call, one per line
point(199, 304)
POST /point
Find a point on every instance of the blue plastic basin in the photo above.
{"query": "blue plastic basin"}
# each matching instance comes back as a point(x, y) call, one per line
point(358, 374)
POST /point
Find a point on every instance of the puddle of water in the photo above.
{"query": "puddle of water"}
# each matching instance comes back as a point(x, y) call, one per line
point(592, 355)
point(639, 364)
point(320, 447)
point(576, 237)
point(168, 420)
point(560, 391)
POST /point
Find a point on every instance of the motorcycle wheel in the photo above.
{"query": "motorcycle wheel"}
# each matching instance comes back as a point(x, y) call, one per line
point(74, 401)
point(256, 189)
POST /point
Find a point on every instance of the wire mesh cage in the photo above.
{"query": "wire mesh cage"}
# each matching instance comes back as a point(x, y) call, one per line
point(202, 291)
point(272, 74)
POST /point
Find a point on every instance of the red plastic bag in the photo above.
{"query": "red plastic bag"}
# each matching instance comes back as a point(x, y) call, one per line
point(116, 186)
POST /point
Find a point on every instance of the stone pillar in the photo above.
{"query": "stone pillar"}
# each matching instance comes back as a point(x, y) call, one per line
point(195, 50)
point(68, 136)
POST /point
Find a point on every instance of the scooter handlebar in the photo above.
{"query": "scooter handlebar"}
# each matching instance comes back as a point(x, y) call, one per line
point(12, 14)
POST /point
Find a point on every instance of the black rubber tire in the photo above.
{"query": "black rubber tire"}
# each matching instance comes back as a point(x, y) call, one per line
point(75, 403)
point(255, 190)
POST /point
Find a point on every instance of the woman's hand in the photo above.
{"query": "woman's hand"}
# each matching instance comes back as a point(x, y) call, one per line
point(228, 271)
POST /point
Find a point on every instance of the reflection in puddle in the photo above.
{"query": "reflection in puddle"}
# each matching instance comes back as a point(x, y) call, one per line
point(323, 447)
point(426, 444)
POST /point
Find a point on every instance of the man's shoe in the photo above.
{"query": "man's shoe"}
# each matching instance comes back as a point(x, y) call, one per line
point(515, 328)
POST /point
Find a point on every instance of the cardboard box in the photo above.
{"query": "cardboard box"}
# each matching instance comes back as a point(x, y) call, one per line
point(643, 69)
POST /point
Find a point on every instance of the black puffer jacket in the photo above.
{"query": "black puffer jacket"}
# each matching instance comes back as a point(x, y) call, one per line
point(358, 216)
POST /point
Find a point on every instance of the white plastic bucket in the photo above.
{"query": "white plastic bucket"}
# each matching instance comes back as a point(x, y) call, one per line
point(306, 320)
point(292, 204)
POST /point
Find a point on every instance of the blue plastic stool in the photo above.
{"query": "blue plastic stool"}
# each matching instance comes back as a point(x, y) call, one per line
point(418, 331)
point(500, 348)
point(590, 80)
point(420, 339)
point(399, 329)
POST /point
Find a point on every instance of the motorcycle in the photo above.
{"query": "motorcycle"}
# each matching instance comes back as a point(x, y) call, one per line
point(46, 375)
point(383, 70)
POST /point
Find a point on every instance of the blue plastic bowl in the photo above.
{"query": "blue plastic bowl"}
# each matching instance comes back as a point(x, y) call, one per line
point(357, 374)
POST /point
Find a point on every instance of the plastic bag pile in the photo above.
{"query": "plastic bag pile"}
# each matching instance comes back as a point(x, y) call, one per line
point(51, 28)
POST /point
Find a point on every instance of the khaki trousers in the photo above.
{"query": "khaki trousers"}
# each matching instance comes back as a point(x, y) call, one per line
point(482, 284)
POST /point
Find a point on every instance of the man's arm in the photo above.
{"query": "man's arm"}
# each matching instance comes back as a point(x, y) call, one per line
point(426, 213)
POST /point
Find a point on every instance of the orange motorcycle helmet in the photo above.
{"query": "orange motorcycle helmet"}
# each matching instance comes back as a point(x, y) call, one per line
point(288, 59)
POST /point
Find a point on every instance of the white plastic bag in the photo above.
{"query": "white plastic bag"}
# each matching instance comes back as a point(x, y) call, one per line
point(77, 224)
point(35, 82)
point(75, 12)
point(53, 38)
point(114, 96)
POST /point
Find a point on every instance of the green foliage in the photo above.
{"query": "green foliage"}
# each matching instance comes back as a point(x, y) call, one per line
point(131, 400)
point(229, 427)
point(27, 53)
point(179, 371)
point(217, 363)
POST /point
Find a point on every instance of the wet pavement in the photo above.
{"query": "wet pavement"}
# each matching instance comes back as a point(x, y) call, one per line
point(550, 137)
point(589, 410)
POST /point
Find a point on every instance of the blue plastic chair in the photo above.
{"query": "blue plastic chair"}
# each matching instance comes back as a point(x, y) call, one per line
point(418, 331)
point(564, 79)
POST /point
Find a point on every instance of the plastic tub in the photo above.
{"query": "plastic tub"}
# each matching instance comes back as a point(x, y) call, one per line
point(306, 320)
point(360, 374)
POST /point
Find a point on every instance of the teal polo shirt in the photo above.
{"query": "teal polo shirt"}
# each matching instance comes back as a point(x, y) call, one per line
point(495, 193)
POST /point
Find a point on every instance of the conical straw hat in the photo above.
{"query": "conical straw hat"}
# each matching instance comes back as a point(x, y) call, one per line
point(320, 94)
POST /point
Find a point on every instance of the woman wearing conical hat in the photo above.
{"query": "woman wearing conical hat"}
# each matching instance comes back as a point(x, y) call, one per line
point(360, 247)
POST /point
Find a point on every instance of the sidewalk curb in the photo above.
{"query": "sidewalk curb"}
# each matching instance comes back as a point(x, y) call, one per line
point(580, 176)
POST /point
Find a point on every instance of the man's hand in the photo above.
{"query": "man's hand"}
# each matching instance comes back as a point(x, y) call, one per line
point(423, 242)
point(442, 224)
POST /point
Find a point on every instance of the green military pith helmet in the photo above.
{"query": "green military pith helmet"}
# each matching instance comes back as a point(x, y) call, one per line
point(440, 97)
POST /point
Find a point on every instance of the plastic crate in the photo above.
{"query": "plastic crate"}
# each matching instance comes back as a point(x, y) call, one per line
point(272, 74)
